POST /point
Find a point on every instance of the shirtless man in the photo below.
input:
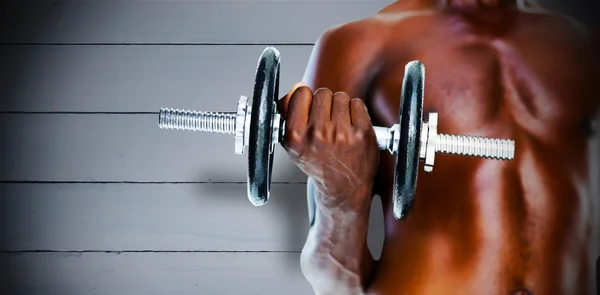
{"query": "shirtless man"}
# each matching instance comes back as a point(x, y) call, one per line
point(493, 68)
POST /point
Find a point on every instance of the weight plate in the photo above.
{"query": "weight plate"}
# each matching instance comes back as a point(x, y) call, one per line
point(260, 158)
point(410, 120)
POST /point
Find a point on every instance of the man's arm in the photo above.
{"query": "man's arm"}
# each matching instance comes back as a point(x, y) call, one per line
point(336, 258)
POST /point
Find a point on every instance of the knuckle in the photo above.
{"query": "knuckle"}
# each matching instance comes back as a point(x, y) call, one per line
point(361, 135)
point(318, 134)
point(341, 137)
point(293, 138)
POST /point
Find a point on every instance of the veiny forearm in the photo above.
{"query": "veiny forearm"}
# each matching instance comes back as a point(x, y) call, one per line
point(335, 258)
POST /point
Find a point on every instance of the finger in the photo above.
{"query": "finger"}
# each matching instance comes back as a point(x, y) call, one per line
point(320, 110)
point(282, 103)
point(359, 114)
point(340, 110)
point(298, 110)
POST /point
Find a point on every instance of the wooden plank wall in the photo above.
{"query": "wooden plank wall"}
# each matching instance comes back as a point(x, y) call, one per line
point(95, 198)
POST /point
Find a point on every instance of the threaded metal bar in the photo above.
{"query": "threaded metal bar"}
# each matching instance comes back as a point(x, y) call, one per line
point(475, 146)
point(215, 122)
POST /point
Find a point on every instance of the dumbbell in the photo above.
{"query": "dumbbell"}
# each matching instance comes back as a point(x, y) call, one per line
point(258, 127)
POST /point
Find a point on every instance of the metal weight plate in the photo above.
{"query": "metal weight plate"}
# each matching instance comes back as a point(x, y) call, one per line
point(260, 158)
point(410, 120)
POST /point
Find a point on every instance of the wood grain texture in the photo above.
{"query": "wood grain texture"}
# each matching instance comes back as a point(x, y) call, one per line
point(152, 273)
point(72, 78)
point(177, 21)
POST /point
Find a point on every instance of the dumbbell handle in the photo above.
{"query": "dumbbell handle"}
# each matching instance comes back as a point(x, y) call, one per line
point(387, 138)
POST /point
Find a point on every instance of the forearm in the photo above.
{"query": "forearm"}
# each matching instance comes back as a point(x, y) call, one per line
point(335, 258)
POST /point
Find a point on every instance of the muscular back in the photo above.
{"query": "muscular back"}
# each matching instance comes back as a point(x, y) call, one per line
point(480, 226)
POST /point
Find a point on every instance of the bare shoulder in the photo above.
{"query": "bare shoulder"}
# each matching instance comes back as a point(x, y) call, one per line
point(348, 56)
point(352, 37)
point(344, 56)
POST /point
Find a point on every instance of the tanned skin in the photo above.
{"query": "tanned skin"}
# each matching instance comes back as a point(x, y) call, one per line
point(478, 226)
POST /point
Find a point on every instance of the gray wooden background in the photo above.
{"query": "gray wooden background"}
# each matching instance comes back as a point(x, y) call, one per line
point(95, 198)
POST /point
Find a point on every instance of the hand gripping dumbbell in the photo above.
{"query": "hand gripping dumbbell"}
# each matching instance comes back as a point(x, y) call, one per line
point(257, 126)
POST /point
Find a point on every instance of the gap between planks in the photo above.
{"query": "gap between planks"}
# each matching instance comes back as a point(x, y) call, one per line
point(134, 182)
point(158, 44)
point(146, 251)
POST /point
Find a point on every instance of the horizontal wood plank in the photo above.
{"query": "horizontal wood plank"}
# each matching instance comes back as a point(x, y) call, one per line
point(157, 217)
point(177, 21)
point(152, 273)
point(132, 148)
point(135, 78)
point(115, 217)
